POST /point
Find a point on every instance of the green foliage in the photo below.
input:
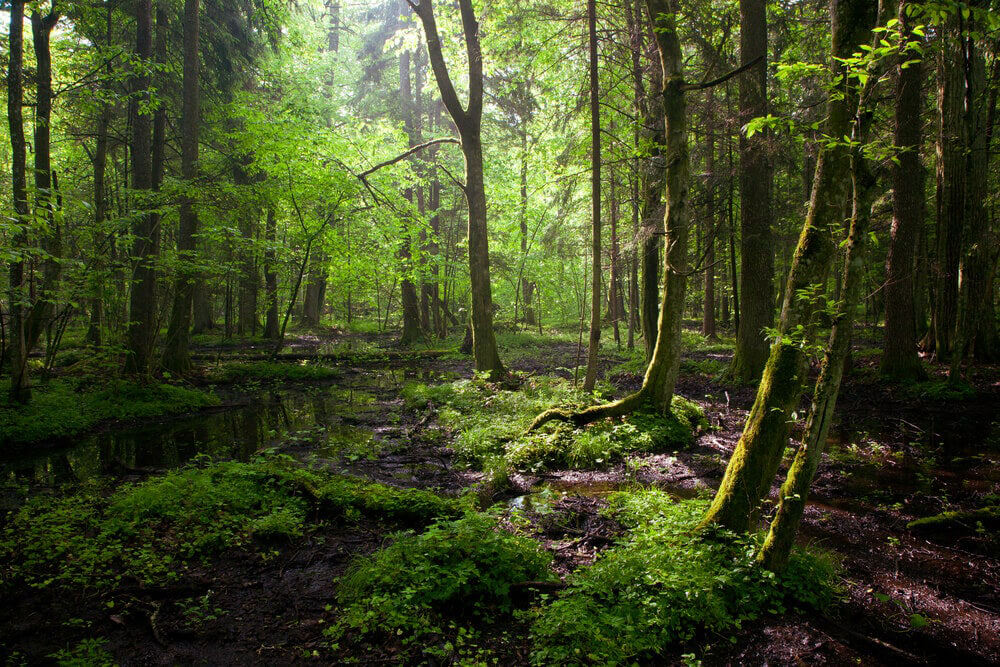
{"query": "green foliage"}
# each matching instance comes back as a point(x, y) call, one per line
point(66, 407)
point(662, 584)
point(941, 390)
point(465, 567)
point(265, 370)
point(491, 423)
point(87, 653)
point(151, 531)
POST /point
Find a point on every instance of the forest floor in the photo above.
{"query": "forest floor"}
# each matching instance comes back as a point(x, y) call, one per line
point(907, 595)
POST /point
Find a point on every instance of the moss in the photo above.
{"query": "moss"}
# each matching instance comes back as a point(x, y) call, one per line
point(67, 407)
point(984, 518)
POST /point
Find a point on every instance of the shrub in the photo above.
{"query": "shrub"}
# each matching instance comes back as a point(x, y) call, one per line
point(465, 567)
point(662, 584)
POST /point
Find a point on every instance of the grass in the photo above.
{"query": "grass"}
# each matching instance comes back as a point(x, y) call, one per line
point(66, 407)
point(153, 531)
point(490, 423)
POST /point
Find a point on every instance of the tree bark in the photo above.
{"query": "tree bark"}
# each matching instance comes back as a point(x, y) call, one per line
point(270, 277)
point(755, 461)
point(756, 176)
point(20, 391)
point(469, 123)
point(899, 350)
point(594, 341)
point(142, 301)
point(708, 310)
point(176, 356)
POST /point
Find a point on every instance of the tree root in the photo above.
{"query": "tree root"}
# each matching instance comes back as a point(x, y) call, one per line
point(619, 408)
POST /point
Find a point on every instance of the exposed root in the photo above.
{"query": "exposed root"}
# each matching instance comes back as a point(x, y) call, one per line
point(619, 408)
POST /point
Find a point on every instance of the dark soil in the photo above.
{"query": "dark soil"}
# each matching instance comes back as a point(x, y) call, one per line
point(907, 598)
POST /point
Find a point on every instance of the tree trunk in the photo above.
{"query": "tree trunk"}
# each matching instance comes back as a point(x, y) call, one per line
point(661, 375)
point(176, 357)
point(142, 301)
point(411, 305)
point(952, 135)
point(755, 461)
point(899, 354)
point(270, 277)
point(20, 391)
point(756, 176)
point(594, 342)
point(708, 310)
point(469, 124)
point(794, 492)
point(654, 179)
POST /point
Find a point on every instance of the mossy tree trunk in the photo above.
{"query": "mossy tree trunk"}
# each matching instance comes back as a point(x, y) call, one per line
point(755, 461)
point(661, 374)
point(792, 499)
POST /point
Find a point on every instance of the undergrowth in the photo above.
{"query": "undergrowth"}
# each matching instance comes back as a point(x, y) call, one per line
point(426, 590)
point(66, 407)
point(490, 424)
point(663, 585)
point(153, 530)
point(265, 370)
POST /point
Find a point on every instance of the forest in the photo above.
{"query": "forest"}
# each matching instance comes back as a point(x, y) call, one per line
point(500, 332)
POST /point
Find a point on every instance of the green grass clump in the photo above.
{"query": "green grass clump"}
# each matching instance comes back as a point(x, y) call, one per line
point(153, 530)
point(66, 407)
point(462, 569)
point(268, 370)
point(663, 584)
point(940, 390)
point(491, 423)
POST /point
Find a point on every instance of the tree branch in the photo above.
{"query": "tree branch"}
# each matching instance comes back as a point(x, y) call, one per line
point(403, 156)
point(725, 77)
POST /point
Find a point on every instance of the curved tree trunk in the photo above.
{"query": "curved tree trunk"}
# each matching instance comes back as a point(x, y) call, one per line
point(661, 375)
point(755, 461)
point(469, 124)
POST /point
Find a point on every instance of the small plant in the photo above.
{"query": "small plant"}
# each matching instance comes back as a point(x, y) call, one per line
point(87, 653)
point(198, 611)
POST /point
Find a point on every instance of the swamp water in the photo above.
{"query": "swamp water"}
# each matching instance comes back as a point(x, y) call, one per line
point(351, 418)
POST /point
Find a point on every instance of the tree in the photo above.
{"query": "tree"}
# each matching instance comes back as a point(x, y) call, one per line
point(175, 356)
point(594, 344)
point(755, 176)
point(657, 388)
point(755, 460)
point(142, 301)
point(899, 352)
point(468, 120)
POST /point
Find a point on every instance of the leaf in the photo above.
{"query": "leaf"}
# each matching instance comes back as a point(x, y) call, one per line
point(917, 621)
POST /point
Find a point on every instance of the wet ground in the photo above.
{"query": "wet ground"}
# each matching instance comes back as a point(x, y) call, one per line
point(908, 598)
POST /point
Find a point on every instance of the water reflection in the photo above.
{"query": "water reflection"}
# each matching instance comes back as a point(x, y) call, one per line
point(333, 421)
